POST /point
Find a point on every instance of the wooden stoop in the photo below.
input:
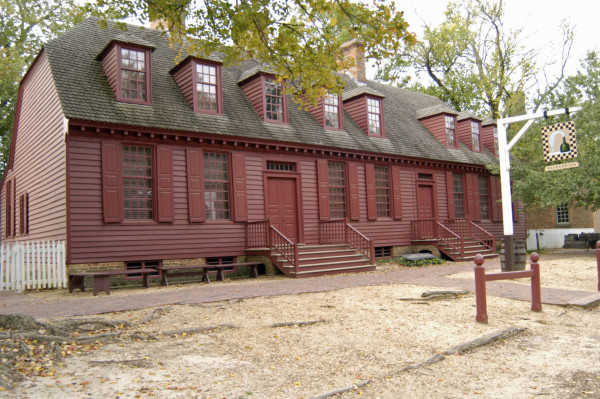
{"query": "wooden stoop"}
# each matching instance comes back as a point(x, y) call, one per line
point(472, 248)
point(320, 260)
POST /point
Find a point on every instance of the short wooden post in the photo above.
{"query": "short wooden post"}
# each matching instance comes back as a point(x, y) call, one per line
point(372, 251)
point(598, 261)
point(480, 294)
point(536, 291)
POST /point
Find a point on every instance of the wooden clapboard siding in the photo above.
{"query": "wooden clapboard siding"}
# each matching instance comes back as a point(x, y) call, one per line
point(254, 90)
point(110, 67)
point(487, 138)
point(356, 108)
point(93, 241)
point(38, 155)
point(436, 124)
point(184, 78)
point(318, 111)
point(463, 132)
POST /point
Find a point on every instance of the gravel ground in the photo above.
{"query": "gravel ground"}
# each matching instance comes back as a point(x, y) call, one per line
point(236, 349)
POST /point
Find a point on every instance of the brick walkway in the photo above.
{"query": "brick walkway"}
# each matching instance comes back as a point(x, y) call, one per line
point(436, 276)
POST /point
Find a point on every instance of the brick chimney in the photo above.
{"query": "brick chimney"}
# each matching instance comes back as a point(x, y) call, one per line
point(355, 49)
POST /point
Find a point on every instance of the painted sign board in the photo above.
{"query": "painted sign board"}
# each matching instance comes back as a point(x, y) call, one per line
point(561, 166)
point(559, 141)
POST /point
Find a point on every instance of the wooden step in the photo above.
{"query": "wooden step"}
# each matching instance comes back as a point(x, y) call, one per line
point(332, 271)
point(327, 265)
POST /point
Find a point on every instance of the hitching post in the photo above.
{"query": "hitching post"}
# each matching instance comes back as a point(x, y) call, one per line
point(480, 294)
point(536, 289)
point(504, 159)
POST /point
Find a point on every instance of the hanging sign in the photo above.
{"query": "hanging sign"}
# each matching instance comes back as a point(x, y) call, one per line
point(559, 141)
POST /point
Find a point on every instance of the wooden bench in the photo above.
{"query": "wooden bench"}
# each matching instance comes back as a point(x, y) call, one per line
point(101, 279)
point(193, 270)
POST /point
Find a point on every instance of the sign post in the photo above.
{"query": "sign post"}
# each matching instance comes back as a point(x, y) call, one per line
point(504, 158)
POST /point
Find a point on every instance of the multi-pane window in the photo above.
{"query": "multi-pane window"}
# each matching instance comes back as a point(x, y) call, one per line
point(496, 138)
point(459, 196)
point(382, 191)
point(337, 189)
point(475, 135)
point(274, 100)
point(562, 214)
point(374, 114)
point(450, 140)
point(484, 197)
point(133, 74)
point(137, 182)
point(332, 111)
point(206, 87)
point(281, 166)
point(216, 186)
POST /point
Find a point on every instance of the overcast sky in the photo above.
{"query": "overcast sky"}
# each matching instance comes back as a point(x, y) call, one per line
point(539, 19)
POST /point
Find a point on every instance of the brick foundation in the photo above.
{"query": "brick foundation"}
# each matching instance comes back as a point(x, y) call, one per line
point(415, 249)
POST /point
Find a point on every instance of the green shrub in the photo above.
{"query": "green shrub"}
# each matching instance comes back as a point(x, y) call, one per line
point(421, 262)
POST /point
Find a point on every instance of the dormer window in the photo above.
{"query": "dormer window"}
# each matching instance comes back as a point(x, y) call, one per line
point(450, 131)
point(273, 100)
point(133, 74)
point(127, 67)
point(332, 111)
point(496, 139)
point(374, 116)
point(200, 83)
point(207, 88)
point(475, 136)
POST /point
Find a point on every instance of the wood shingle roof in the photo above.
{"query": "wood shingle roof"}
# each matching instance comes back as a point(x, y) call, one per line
point(85, 95)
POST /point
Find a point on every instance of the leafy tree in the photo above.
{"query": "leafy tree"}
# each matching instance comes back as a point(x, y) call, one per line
point(473, 62)
point(579, 186)
point(299, 39)
point(24, 26)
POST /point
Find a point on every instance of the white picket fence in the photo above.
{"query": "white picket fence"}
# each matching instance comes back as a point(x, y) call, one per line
point(33, 265)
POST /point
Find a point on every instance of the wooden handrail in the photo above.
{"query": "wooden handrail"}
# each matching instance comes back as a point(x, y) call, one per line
point(340, 231)
point(453, 238)
point(490, 242)
point(285, 247)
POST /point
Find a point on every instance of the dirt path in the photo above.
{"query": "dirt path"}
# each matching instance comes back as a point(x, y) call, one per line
point(336, 339)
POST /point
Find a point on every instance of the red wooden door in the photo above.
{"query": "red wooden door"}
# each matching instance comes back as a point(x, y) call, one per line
point(425, 202)
point(282, 206)
point(426, 210)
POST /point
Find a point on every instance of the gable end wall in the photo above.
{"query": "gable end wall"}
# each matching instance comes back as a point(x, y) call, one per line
point(39, 158)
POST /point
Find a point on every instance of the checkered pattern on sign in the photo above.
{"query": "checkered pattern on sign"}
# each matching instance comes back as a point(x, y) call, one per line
point(569, 129)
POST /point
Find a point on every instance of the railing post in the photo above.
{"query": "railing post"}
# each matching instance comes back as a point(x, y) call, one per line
point(536, 291)
point(462, 247)
point(372, 249)
point(598, 261)
point(269, 234)
point(346, 231)
point(480, 294)
point(296, 257)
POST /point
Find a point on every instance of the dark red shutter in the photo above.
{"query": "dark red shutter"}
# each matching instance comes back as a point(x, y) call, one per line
point(476, 200)
point(495, 193)
point(450, 193)
point(470, 196)
point(323, 182)
point(353, 188)
point(112, 182)
point(371, 192)
point(195, 183)
point(240, 199)
point(396, 193)
point(9, 208)
point(164, 161)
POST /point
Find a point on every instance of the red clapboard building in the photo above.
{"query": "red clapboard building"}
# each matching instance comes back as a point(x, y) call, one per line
point(135, 157)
